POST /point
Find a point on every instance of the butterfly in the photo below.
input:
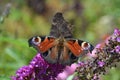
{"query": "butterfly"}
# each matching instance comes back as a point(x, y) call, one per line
point(60, 50)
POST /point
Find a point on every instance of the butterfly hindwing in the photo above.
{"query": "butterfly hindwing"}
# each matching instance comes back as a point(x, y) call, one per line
point(78, 47)
point(63, 56)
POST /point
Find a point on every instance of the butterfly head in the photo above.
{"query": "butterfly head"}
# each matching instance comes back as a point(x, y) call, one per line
point(87, 46)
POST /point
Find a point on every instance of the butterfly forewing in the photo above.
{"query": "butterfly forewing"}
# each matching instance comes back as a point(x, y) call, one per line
point(77, 48)
point(44, 44)
point(74, 47)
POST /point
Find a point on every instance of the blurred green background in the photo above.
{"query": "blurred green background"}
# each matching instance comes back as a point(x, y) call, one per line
point(92, 20)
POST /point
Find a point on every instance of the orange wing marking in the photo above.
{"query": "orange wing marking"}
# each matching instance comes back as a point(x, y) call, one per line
point(74, 47)
point(46, 44)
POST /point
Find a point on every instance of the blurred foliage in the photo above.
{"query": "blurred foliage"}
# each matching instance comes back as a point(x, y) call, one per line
point(92, 21)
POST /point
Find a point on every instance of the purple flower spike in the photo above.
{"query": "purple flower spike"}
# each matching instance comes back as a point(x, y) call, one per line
point(38, 69)
point(106, 57)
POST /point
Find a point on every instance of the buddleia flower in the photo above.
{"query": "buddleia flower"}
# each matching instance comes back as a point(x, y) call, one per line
point(104, 58)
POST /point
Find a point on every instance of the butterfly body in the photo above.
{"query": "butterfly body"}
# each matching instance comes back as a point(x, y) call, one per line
point(60, 50)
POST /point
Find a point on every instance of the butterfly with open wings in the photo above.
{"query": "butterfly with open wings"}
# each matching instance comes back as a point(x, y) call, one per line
point(60, 46)
point(61, 50)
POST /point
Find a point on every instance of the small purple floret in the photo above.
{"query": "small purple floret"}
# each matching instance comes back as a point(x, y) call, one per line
point(117, 32)
point(117, 49)
point(80, 63)
point(118, 39)
point(101, 63)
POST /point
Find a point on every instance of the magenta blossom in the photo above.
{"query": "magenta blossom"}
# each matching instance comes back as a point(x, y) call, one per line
point(69, 70)
point(104, 58)
point(38, 69)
